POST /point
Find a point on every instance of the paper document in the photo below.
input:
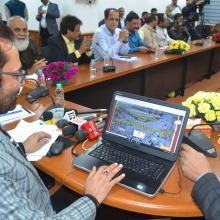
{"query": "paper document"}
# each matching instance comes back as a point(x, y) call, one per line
point(126, 58)
point(15, 115)
point(194, 121)
point(19, 135)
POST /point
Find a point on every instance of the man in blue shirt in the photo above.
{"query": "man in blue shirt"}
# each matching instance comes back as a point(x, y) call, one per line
point(109, 38)
point(134, 40)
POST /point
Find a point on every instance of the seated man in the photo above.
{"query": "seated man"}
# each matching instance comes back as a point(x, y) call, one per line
point(109, 38)
point(206, 191)
point(121, 22)
point(23, 194)
point(147, 32)
point(29, 52)
point(134, 40)
point(179, 31)
point(154, 11)
point(69, 45)
point(143, 18)
point(162, 37)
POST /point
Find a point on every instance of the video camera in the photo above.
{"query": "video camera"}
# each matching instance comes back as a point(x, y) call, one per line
point(201, 5)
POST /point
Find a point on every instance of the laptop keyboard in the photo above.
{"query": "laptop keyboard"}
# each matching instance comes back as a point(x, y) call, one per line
point(130, 162)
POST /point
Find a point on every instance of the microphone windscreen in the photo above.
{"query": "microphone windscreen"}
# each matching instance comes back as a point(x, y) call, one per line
point(62, 123)
point(81, 135)
point(47, 116)
point(69, 130)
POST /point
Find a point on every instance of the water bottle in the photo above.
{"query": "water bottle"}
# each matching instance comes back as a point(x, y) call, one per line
point(92, 69)
point(209, 40)
point(59, 101)
point(41, 77)
point(157, 52)
point(189, 40)
point(106, 57)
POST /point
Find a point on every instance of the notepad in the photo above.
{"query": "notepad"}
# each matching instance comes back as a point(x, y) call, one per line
point(19, 135)
point(15, 115)
point(126, 58)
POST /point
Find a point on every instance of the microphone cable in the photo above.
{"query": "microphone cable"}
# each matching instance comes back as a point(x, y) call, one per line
point(163, 191)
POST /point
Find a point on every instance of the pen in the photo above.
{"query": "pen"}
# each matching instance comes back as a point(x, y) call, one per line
point(124, 57)
point(11, 113)
point(26, 110)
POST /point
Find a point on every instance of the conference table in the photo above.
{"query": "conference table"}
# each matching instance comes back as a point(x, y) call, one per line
point(176, 205)
point(147, 77)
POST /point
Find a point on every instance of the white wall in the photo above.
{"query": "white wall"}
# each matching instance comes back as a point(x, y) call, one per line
point(91, 15)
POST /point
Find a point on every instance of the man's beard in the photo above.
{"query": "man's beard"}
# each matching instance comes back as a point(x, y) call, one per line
point(7, 102)
point(21, 45)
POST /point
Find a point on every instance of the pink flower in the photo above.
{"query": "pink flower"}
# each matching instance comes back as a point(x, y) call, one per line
point(55, 77)
point(60, 70)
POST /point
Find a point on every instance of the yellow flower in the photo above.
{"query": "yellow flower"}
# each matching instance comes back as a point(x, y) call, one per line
point(188, 102)
point(217, 115)
point(216, 104)
point(210, 116)
point(199, 97)
point(203, 107)
point(192, 109)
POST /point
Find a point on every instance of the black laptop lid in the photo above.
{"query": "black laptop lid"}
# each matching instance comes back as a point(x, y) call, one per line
point(145, 124)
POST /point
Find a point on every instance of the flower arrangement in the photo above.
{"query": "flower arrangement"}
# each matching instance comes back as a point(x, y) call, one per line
point(179, 47)
point(59, 71)
point(216, 37)
point(205, 105)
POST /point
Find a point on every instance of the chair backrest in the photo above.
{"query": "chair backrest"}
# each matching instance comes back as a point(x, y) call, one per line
point(204, 30)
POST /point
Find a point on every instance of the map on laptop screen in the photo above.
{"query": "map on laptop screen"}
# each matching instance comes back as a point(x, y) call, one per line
point(148, 124)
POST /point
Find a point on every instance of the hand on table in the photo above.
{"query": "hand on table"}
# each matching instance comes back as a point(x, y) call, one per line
point(193, 163)
point(36, 141)
point(101, 181)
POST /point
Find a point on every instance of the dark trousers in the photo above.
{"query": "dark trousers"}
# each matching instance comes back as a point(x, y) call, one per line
point(44, 34)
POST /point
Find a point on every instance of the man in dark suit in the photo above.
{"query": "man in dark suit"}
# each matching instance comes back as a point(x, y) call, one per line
point(47, 15)
point(206, 191)
point(69, 45)
point(179, 30)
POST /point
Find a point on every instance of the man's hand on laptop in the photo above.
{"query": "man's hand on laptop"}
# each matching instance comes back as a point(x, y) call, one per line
point(193, 163)
point(36, 141)
point(101, 181)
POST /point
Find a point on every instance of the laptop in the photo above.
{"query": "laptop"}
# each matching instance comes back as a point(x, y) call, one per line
point(143, 134)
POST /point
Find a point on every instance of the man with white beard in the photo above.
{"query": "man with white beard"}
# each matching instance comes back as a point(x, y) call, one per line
point(29, 52)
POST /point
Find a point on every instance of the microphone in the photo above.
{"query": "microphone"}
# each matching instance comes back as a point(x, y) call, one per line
point(38, 92)
point(197, 140)
point(70, 129)
point(92, 130)
point(70, 114)
point(62, 123)
point(110, 68)
point(81, 135)
point(99, 110)
point(46, 116)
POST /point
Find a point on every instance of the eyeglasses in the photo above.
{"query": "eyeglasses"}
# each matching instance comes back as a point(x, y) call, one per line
point(113, 19)
point(18, 30)
point(19, 76)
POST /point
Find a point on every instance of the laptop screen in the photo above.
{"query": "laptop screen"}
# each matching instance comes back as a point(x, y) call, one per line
point(144, 123)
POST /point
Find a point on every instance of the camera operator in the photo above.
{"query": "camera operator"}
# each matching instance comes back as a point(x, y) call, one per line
point(190, 13)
